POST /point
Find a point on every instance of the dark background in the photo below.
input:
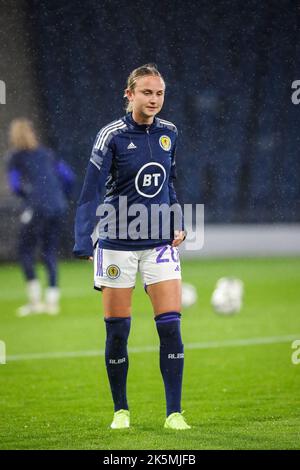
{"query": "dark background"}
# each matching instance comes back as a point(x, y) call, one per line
point(228, 66)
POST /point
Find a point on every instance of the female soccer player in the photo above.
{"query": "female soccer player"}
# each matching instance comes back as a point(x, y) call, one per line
point(134, 157)
point(42, 181)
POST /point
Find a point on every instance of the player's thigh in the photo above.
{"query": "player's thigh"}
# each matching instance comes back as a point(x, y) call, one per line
point(28, 236)
point(115, 274)
point(165, 296)
point(49, 234)
point(116, 301)
point(115, 269)
point(161, 272)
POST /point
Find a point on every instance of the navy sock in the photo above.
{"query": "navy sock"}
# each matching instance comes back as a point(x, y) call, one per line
point(116, 358)
point(171, 358)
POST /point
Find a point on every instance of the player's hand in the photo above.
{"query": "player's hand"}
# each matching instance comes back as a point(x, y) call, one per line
point(90, 258)
point(179, 237)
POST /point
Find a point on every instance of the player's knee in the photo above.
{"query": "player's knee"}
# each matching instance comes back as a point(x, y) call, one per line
point(168, 327)
point(117, 330)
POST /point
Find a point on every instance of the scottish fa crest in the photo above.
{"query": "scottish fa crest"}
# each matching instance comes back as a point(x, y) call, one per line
point(113, 271)
point(165, 142)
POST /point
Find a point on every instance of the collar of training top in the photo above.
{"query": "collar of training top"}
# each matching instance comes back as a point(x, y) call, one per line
point(142, 127)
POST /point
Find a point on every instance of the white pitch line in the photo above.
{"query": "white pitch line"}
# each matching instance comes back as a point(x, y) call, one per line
point(203, 345)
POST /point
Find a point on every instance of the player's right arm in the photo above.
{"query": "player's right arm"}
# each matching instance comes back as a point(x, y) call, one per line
point(96, 175)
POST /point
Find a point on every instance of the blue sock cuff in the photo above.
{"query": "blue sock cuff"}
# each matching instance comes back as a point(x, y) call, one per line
point(116, 319)
point(167, 317)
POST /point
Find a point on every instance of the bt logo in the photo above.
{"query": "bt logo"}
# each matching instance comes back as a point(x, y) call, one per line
point(150, 179)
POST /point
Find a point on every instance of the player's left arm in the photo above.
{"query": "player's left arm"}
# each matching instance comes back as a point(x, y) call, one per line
point(66, 176)
point(179, 231)
point(14, 177)
point(86, 214)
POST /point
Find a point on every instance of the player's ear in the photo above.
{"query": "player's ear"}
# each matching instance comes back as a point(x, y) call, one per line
point(128, 94)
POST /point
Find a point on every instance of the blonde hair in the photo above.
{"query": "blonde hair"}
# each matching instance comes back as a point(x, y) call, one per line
point(22, 135)
point(144, 70)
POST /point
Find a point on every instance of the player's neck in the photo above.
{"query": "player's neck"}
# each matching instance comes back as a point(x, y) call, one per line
point(142, 119)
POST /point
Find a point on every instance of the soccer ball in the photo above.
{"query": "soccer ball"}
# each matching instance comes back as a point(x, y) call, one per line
point(227, 298)
point(189, 295)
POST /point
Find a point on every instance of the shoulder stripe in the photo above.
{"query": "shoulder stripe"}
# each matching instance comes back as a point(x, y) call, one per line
point(107, 132)
point(104, 129)
point(117, 121)
point(94, 163)
point(168, 124)
point(105, 137)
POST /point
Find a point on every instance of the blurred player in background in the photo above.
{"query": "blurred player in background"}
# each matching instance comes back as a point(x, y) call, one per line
point(134, 156)
point(44, 183)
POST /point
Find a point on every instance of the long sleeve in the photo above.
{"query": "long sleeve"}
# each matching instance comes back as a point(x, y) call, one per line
point(66, 175)
point(172, 192)
point(96, 175)
point(172, 178)
point(14, 181)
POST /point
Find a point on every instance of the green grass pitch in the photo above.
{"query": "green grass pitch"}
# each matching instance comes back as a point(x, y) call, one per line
point(235, 395)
